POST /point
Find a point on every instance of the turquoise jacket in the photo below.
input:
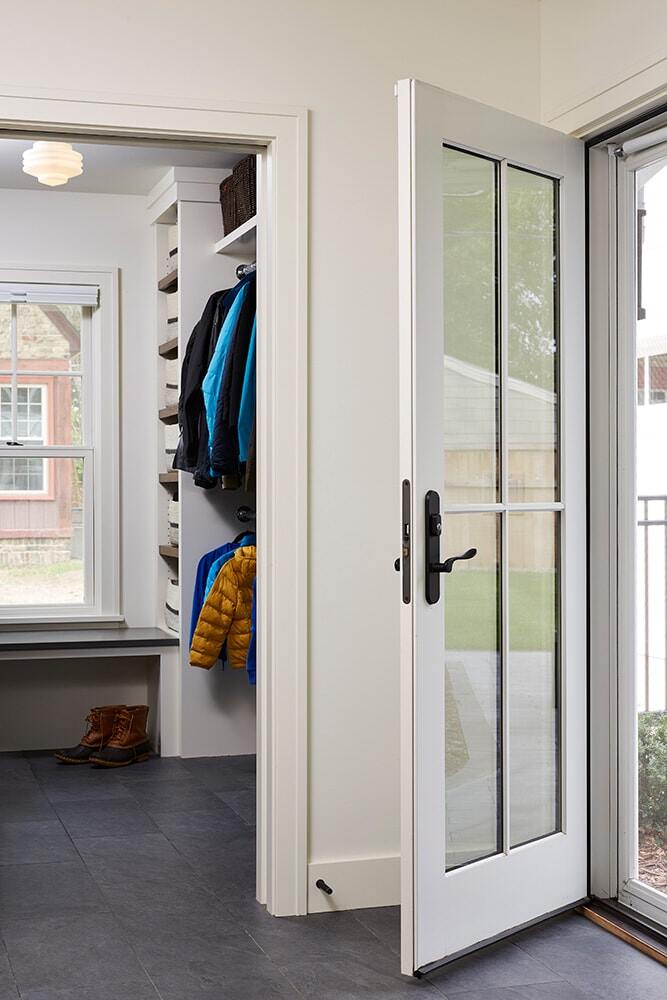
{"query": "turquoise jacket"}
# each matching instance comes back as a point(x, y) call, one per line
point(213, 379)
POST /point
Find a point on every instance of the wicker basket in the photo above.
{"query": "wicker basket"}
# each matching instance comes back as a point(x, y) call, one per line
point(238, 194)
point(172, 605)
point(171, 436)
point(174, 521)
point(228, 203)
point(172, 371)
point(245, 173)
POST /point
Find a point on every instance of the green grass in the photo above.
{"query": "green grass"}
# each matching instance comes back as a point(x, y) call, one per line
point(471, 614)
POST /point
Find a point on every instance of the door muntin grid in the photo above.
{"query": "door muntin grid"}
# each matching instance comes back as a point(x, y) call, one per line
point(503, 745)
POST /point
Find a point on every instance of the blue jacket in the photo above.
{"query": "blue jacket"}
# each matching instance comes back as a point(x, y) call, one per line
point(219, 562)
point(224, 442)
point(251, 662)
point(213, 378)
point(247, 408)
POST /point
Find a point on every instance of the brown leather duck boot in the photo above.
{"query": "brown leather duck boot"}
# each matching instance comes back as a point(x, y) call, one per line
point(97, 735)
point(129, 739)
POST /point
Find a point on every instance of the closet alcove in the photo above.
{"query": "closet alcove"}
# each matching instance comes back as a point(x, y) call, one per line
point(148, 217)
point(193, 260)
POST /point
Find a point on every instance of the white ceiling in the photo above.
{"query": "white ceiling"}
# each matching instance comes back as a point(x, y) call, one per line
point(110, 168)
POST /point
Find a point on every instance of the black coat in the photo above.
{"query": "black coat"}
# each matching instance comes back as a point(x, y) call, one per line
point(193, 442)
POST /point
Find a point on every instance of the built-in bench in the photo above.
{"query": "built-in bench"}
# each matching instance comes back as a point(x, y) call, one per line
point(76, 640)
point(42, 707)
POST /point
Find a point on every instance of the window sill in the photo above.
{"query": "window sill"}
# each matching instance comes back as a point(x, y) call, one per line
point(38, 622)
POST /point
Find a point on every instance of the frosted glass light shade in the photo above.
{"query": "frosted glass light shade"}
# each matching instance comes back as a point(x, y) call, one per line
point(52, 163)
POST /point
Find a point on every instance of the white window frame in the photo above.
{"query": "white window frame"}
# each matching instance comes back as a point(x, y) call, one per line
point(100, 449)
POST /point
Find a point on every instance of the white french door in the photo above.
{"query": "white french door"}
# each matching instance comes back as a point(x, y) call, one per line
point(493, 647)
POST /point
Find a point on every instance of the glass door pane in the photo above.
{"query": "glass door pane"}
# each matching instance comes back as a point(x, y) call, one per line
point(532, 397)
point(533, 674)
point(650, 820)
point(470, 301)
point(473, 728)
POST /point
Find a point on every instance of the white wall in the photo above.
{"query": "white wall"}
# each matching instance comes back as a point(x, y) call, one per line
point(340, 59)
point(62, 227)
point(599, 58)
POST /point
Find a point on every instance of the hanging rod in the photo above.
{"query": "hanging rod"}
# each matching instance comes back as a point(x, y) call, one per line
point(244, 269)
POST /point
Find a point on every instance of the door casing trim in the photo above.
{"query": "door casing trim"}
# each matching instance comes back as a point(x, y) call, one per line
point(281, 136)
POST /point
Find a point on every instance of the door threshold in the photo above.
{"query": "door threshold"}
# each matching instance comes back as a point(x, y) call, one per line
point(618, 920)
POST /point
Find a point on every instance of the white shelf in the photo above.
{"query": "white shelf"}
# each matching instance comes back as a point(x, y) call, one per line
point(241, 241)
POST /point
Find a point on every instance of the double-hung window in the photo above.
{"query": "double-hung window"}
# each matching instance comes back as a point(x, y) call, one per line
point(58, 484)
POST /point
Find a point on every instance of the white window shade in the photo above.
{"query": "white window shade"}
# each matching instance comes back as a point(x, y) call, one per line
point(45, 294)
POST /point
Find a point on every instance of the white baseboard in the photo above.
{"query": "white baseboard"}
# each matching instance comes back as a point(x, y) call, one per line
point(356, 883)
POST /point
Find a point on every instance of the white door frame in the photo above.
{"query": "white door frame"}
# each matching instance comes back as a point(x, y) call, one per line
point(282, 437)
point(612, 382)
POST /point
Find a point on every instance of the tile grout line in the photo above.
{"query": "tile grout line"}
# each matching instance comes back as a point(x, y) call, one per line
point(281, 971)
point(11, 964)
point(375, 935)
point(586, 992)
point(518, 945)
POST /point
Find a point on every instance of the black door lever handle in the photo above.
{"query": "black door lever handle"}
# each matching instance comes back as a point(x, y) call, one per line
point(448, 565)
point(432, 534)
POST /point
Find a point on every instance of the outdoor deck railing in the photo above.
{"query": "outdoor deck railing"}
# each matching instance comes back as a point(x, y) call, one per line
point(651, 618)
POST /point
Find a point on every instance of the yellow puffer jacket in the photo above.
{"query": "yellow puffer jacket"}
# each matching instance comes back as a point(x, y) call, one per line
point(226, 613)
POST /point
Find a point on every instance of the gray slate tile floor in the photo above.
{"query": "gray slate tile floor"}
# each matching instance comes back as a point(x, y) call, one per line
point(138, 884)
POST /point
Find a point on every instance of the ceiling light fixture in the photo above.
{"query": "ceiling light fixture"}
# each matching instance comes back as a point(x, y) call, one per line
point(52, 163)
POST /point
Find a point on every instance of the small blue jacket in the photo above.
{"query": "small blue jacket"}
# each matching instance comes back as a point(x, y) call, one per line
point(219, 562)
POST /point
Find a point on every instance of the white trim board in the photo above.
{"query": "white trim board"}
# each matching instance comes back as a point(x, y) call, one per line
point(591, 113)
point(357, 883)
point(281, 135)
